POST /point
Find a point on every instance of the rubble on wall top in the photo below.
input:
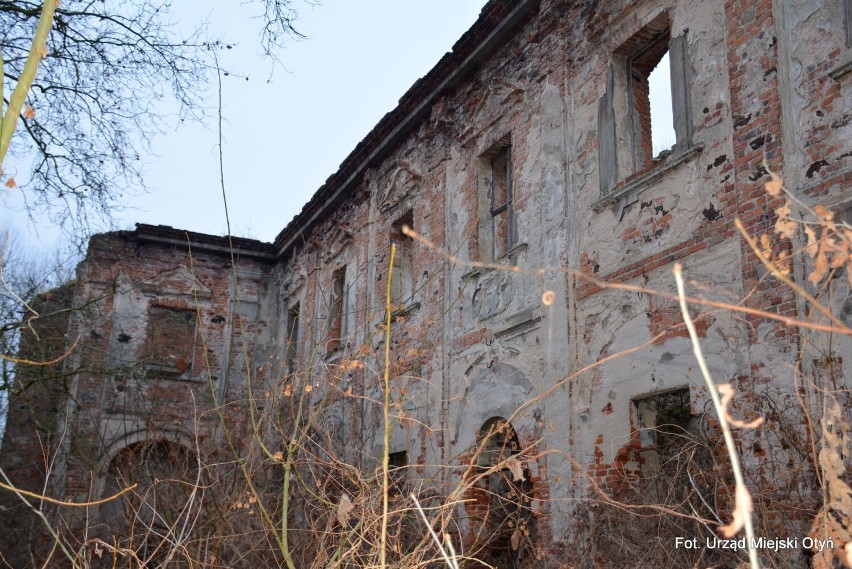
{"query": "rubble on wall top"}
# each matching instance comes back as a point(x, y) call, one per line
point(210, 243)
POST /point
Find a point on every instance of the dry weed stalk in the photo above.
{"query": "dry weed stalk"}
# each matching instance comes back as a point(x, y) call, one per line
point(742, 502)
point(828, 248)
point(288, 494)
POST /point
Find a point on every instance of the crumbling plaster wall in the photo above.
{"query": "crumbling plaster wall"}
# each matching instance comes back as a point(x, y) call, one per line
point(614, 321)
point(474, 341)
point(507, 347)
point(492, 344)
point(118, 394)
point(685, 214)
point(818, 122)
point(634, 240)
point(815, 72)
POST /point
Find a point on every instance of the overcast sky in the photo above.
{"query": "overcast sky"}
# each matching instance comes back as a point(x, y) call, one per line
point(285, 138)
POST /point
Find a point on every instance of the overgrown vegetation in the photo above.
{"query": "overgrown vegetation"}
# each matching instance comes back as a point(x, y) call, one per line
point(288, 490)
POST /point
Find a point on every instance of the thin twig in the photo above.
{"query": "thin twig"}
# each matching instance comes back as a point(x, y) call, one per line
point(784, 279)
point(450, 560)
point(742, 502)
point(35, 363)
point(843, 329)
point(63, 502)
point(386, 409)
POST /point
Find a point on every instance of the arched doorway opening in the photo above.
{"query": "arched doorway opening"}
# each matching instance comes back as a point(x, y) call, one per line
point(508, 528)
point(151, 520)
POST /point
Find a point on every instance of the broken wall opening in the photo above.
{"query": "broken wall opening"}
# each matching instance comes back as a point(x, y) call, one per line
point(163, 473)
point(402, 280)
point(507, 527)
point(170, 342)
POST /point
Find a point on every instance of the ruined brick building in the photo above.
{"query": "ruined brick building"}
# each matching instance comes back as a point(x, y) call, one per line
point(528, 145)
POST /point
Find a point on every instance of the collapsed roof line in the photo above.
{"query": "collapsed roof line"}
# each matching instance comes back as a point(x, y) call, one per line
point(467, 54)
point(223, 245)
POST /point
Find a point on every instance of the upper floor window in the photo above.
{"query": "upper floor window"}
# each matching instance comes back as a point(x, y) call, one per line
point(650, 79)
point(841, 11)
point(402, 280)
point(646, 104)
point(337, 320)
point(292, 337)
point(502, 214)
point(498, 220)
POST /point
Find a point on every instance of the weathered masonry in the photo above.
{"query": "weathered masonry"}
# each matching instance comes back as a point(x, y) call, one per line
point(529, 145)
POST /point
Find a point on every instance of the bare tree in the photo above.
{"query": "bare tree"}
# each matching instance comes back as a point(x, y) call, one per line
point(96, 100)
point(23, 278)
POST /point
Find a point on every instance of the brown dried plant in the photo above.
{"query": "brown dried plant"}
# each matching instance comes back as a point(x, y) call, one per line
point(285, 491)
point(827, 248)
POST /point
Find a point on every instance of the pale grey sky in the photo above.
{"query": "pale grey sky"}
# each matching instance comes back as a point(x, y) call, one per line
point(285, 138)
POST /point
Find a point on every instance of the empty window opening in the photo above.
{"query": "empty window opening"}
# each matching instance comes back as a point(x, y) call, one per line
point(664, 419)
point(402, 280)
point(650, 94)
point(497, 442)
point(662, 115)
point(398, 471)
point(644, 114)
point(677, 456)
point(337, 309)
point(405, 220)
point(502, 214)
point(292, 337)
point(409, 528)
point(397, 460)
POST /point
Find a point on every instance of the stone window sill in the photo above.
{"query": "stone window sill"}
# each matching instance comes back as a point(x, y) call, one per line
point(160, 371)
point(408, 310)
point(336, 354)
point(507, 259)
point(841, 70)
point(629, 191)
point(511, 256)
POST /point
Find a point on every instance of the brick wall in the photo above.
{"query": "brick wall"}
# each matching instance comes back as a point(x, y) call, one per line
point(476, 341)
point(31, 436)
